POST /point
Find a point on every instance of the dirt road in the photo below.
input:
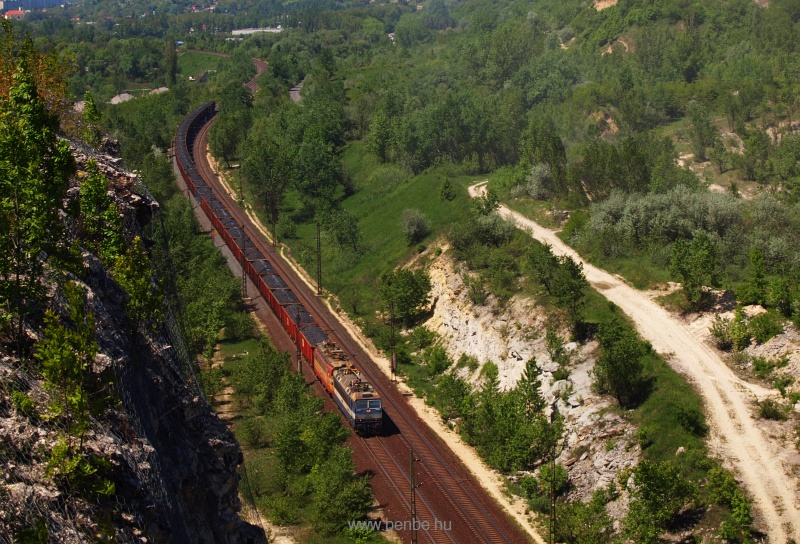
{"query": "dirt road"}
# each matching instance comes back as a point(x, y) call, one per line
point(735, 434)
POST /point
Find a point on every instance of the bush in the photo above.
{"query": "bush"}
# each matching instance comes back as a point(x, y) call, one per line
point(771, 409)
point(644, 437)
point(414, 224)
point(239, 326)
point(421, 337)
point(23, 404)
point(721, 332)
point(765, 326)
point(285, 227)
point(437, 360)
point(253, 432)
point(692, 420)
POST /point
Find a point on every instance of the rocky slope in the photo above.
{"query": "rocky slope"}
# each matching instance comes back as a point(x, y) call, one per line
point(173, 462)
point(598, 444)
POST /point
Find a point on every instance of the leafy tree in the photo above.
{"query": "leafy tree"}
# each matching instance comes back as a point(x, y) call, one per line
point(233, 122)
point(134, 273)
point(268, 167)
point(618, 369)
point(317, 170)
point(66, 355)
point(414, 224)
point(342, 228)
point(660, 492)
point(91, 117)
point(342, 496)
point(486, 204)
point(170, 61)
point(100, 218)
point(407, 291)
point(755, 290)
point(411, 30)
point(542, 145)
point(702, 133)
point(585, 523)
point(695, 264)
point(34, 169)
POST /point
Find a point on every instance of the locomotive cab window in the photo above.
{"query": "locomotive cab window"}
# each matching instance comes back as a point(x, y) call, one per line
point(374, 404)
point(361, 405)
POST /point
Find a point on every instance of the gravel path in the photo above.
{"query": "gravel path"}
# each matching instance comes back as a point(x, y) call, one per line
point(735, 436)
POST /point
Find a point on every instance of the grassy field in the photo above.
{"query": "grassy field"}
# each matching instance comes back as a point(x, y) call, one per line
point(194, 64)
point(382, 193)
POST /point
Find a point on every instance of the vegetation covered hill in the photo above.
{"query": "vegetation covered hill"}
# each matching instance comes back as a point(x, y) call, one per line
point(666, 132)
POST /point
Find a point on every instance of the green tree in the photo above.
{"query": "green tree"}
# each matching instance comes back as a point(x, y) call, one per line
point(233, 121)
point(702, 133)
point(91, 117)
point(569, 286)
point(170, 61)
point(585, 523)
point(100, 218)
point(134, 273)
point(342, 495)
point(659, 494)
point(411, 30)
point(317, 170)
point(268, 167)
point(66, 355)
point(34, 169)
point(755, 290)
point(407, 291)
point(618, 369)
point(695, 264)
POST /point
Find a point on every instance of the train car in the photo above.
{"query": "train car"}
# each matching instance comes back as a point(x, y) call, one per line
point(354, 396)
point(358, 400)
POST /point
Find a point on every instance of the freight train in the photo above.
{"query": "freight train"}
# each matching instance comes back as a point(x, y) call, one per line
point(355, 396)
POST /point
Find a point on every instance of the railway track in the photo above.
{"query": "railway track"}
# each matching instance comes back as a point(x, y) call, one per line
point(450, 505)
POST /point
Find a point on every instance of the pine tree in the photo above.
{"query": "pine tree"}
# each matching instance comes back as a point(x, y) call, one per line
point(34, 169)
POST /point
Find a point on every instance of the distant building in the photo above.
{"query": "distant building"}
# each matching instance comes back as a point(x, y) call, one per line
point(15, 14)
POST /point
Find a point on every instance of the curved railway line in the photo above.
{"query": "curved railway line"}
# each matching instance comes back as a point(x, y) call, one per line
point(448, 497)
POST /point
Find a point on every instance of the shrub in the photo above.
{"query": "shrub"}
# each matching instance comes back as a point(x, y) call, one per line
point(468, 361)
point(238, 326)
point(762, 367)
point(475, 291)
point(286, 228)
point(253, 432)
point(437, 360)
point(740, 334)
point(721, 332)
point(561, 374)
point(692, 420)
point(23, 404)
point(644, 437)
point(422, 337)
point(415, 225)
point(771, 409)
point(765, 326)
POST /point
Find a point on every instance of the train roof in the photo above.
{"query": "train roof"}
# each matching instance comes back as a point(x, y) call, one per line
point(354, 384)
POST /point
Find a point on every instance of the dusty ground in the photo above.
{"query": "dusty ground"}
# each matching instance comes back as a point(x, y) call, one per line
point(600, 5)
point(735, 435)
point(490, 479)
